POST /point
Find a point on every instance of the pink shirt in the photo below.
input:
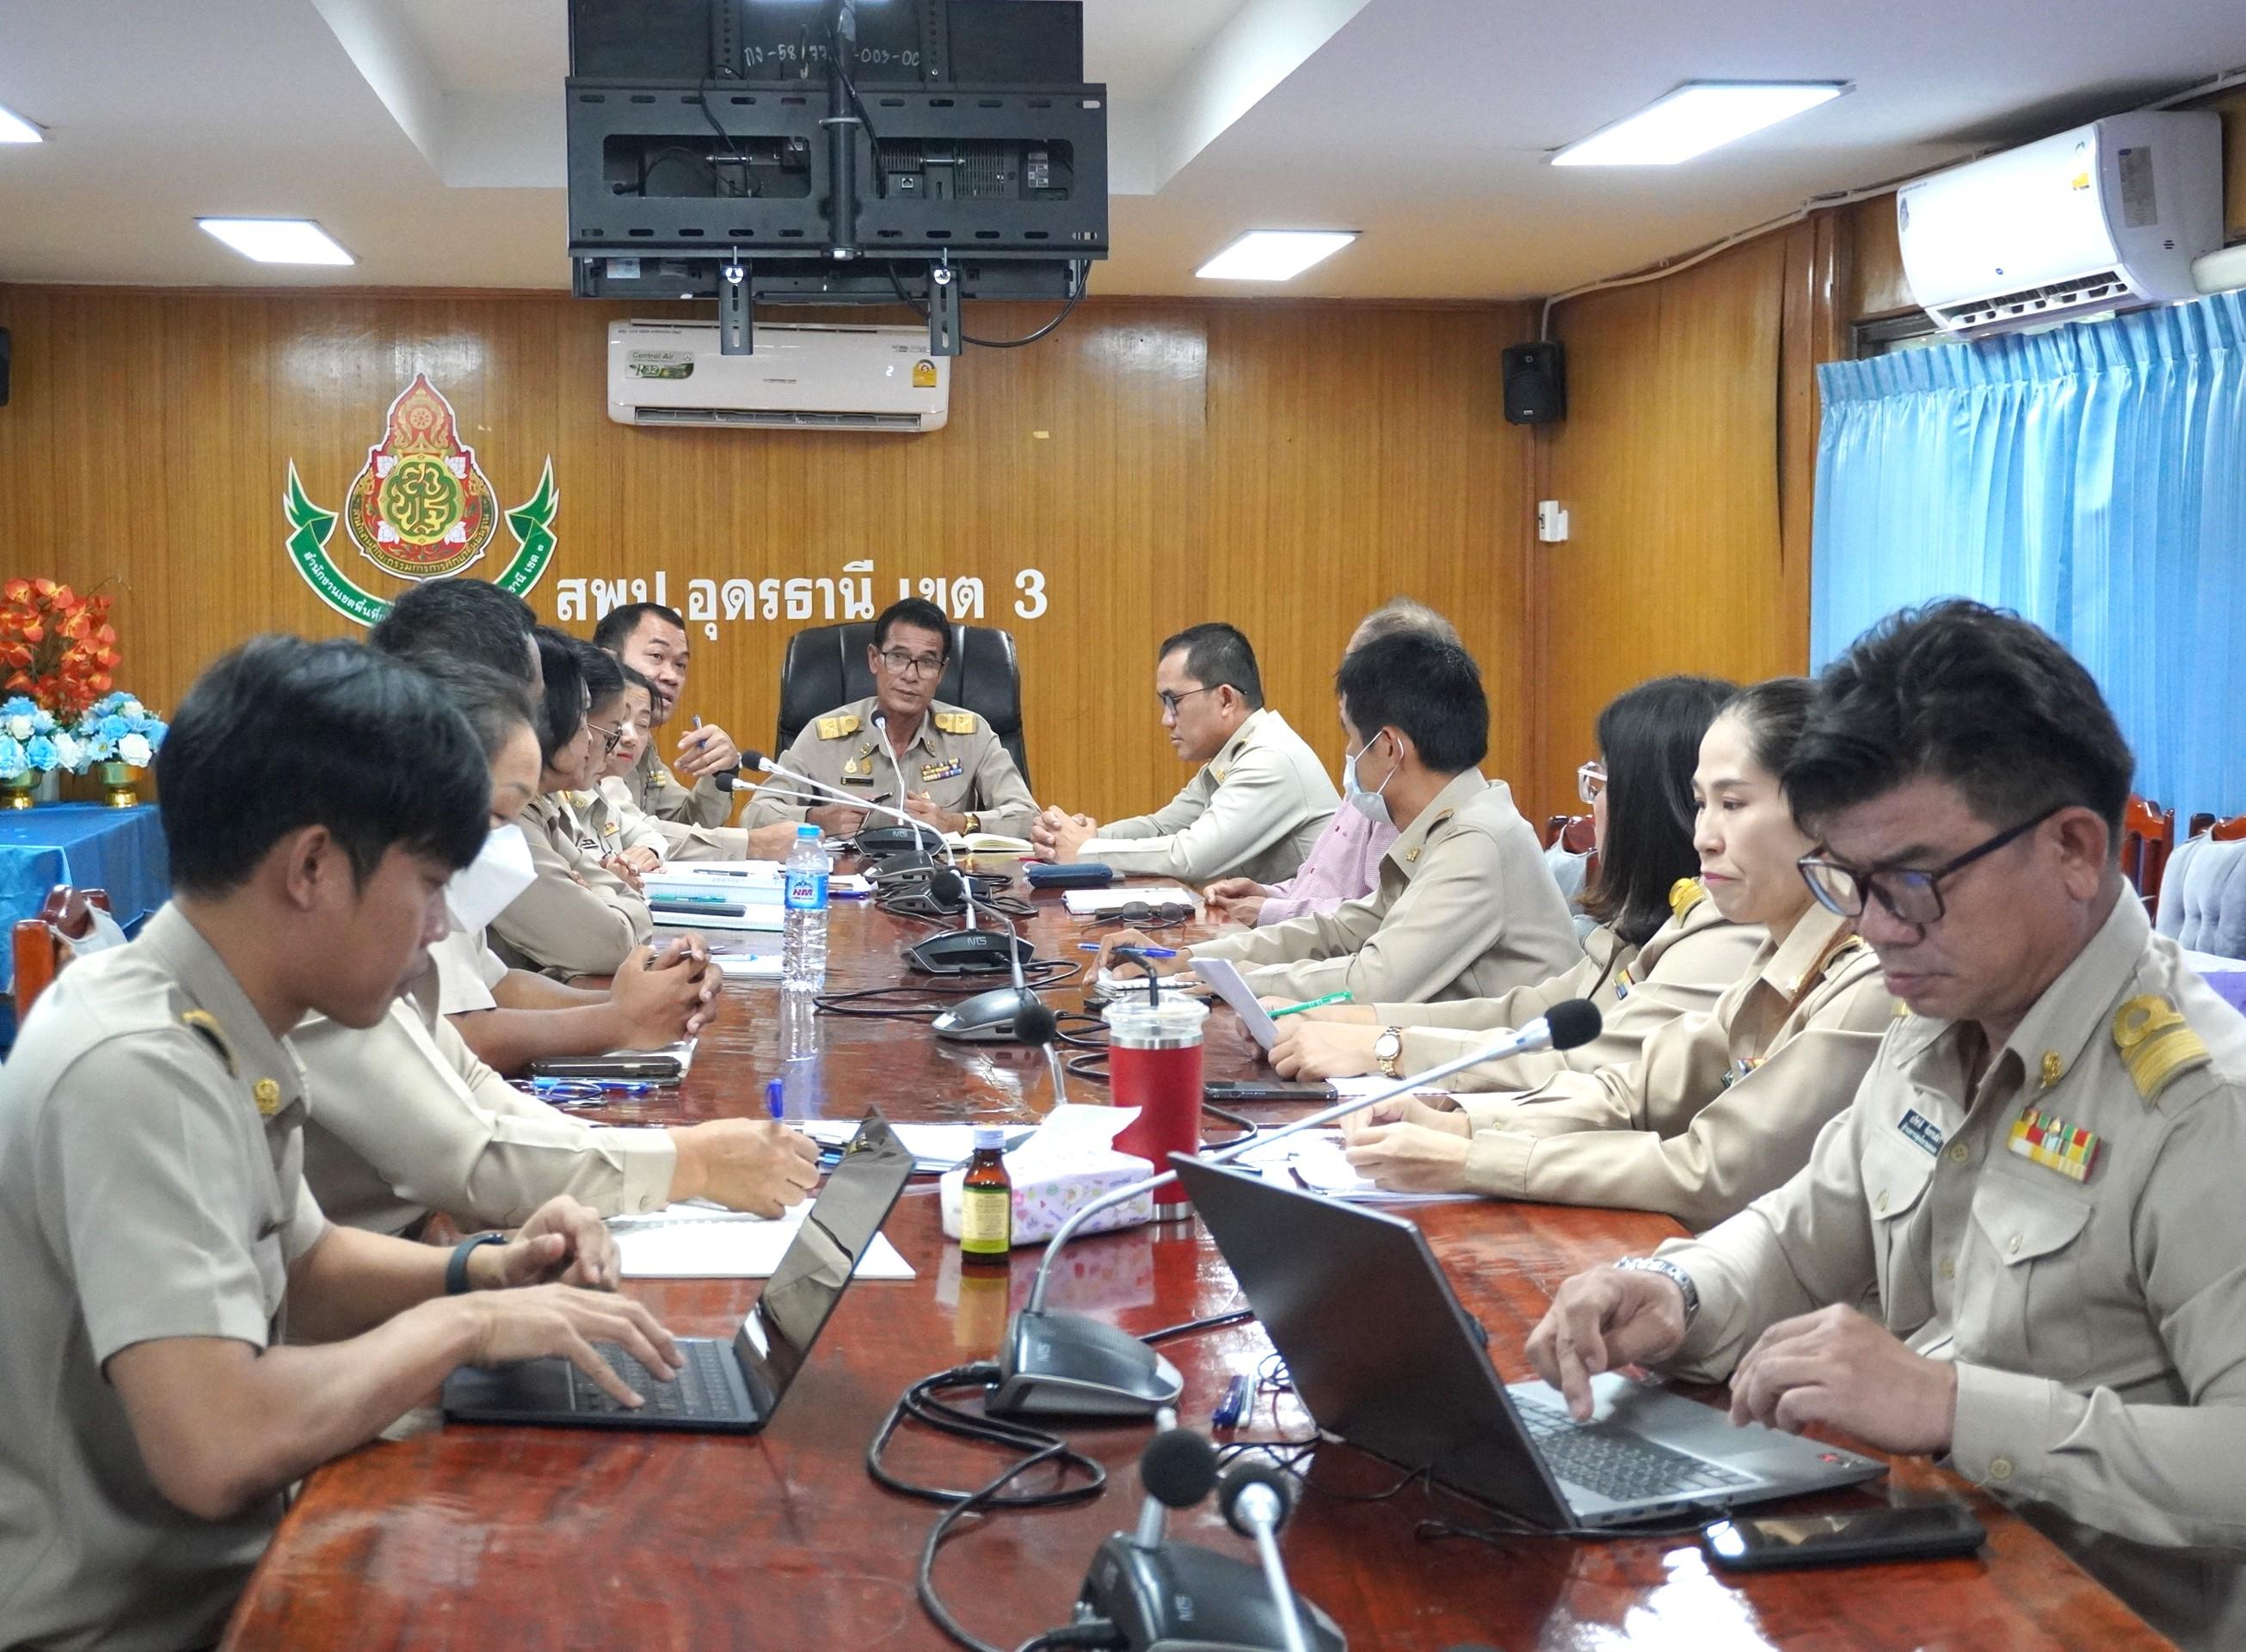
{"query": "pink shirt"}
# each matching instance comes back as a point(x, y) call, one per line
point(1343, 865)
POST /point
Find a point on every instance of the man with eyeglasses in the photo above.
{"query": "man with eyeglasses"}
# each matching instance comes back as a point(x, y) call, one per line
point(1255, 807)
point(651, 639)
point(958, 776)
point(2035, 1193)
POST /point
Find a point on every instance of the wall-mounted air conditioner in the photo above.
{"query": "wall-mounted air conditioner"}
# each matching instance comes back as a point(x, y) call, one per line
point(2107, 216)
point(801, 377)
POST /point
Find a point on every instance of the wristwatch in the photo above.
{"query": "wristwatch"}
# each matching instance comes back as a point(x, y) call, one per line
point(1669, 1270)
point(974, 824)
point(1388, 1050)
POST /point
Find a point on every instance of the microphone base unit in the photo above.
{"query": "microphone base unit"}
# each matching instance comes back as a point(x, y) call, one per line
point(876, 841)
point(969, 952)
point(1067, 1365)
point(1178, 1597)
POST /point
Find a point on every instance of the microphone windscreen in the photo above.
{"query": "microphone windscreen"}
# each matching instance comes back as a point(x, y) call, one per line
point(1573, 1022)
point(1178, 1468)
point(947, 886)
point(723, 781)
point(756, 760)
point(1236, 1484)
point(1034, 1023)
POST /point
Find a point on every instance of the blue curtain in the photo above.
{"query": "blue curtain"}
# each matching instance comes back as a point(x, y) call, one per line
point(2093, 477)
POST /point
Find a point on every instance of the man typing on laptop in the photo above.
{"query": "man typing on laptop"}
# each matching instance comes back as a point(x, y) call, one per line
point(2036, 1182)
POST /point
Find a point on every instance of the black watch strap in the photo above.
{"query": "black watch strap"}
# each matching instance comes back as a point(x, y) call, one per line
point(456, 1270)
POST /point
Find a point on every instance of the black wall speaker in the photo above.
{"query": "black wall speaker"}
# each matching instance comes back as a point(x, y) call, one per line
point(1535, 383)
point(4, 341)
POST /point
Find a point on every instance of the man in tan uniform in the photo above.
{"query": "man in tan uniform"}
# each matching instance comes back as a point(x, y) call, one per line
point(155, 1232)
point(1466, 904)
point(1255, 808)
point(957, 775)
point(2037, 1184)
point(1683, 969)
point(651, 639)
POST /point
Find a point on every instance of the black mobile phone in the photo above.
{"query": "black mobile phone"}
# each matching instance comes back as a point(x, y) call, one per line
point(1265, 1089)
point(1913, 1531)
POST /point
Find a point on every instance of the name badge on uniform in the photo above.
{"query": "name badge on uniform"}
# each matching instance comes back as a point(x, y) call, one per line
point(942, 771)
point(1740, 1068)
point(1921, 1132)
point(2055, 1144)
point(1622, 984)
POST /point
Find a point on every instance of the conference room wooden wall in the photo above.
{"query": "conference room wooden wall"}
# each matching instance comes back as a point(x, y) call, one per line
point(1284, 466)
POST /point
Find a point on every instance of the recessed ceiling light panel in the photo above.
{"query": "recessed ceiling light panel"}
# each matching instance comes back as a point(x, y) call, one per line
point(15, 129)
point(1275, 254)
point(1699, 115)
point(277, 240)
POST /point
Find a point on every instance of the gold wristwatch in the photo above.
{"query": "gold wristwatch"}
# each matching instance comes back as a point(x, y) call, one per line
point(1388, 1050)
point(974, 823)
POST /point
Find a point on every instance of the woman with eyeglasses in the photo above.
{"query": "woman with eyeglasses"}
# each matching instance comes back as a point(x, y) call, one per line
point(612, 826)
point(578, 917)
point(1661, 949)
point(1718, 1109)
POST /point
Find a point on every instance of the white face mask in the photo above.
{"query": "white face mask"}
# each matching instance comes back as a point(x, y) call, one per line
point(1371, 805)
point(488, 884)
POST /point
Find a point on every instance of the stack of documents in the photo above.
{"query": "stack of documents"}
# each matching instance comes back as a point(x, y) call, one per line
point(1091, 903)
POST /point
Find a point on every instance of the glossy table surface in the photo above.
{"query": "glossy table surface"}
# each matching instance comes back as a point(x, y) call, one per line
point(467, 1537)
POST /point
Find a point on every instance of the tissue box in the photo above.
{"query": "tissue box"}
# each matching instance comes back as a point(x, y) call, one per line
point(1048, 1193)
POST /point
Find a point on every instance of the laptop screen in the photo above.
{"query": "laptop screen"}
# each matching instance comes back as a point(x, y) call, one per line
point(800, 1296)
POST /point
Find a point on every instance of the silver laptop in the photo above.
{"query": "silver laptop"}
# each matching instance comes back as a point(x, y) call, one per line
point(1385, 1360)
point(727, 1387)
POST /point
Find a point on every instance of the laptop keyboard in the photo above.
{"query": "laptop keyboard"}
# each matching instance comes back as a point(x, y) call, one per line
point(700, 1391)
point(1627, 1467)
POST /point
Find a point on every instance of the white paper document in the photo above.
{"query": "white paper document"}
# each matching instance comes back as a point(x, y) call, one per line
point(1226, 981)
point(1087, 903)
point(695, 1242)
point(744, 966)
point(1316, 1161)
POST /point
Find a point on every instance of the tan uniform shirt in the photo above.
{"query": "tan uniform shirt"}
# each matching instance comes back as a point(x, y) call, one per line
point(561, 924)
point(613, 822)
point(2098, 1325)
point(1466, 906)
point(954, 756)
point(408, 1120)
point(1719, 1108)
point(1255, 810)
point(1682, 970)
point(660, 795)
point(151, 1186)
point(467, 970)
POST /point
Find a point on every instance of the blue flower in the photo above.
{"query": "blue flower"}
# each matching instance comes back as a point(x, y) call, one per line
point(40, 752)
point(11, 757)
point(113, 727)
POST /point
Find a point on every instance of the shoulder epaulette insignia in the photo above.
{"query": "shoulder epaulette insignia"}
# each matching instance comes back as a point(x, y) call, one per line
point(205, 1026)
point(956, 722)
point(268, 1093)
point(1685, 894)
point(836, 728)
point(2156, 1045)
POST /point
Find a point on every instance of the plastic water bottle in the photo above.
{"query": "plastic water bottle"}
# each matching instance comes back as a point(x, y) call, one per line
point(803, 951)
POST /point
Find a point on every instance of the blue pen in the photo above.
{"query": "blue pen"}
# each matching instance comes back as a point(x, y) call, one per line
point(776, 1098)
point(1144, 952)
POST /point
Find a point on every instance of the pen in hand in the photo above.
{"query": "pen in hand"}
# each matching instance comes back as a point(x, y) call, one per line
point(1314, 1004)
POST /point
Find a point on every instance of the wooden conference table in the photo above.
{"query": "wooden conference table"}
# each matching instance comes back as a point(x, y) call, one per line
point(461, 1537)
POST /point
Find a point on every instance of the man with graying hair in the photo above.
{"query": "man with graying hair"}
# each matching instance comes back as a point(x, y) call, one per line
point(2036, 1187)
point(1345, 863)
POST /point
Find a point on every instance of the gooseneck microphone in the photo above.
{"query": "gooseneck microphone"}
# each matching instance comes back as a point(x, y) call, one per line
point(1003, 1011)
point(1070, 1365)
point(923, 832)
point(1178, 1468)
point(1256, 1501)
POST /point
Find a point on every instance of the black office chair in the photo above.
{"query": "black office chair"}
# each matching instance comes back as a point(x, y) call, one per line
point(826, 667)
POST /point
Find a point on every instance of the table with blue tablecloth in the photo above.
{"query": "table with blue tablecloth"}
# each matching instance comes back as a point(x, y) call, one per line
point(88, 846)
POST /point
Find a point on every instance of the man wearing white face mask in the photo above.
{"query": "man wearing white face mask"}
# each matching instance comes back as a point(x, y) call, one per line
point(1466, 906)
point(410, 1121)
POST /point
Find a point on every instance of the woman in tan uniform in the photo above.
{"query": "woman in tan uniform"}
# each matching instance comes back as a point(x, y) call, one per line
point(1662, 949)
point(1719, 1108)
point(578, 918)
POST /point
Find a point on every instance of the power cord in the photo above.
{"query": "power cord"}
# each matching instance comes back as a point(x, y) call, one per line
point(919, 310)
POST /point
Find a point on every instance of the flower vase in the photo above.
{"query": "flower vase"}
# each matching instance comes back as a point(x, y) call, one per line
point(34, 786)
point(123, 792)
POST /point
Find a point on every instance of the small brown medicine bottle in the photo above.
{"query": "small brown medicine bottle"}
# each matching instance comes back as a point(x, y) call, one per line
point(986, 1201)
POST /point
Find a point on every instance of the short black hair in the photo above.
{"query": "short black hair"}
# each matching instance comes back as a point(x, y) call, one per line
point(638, 679)
point(459, 618)
point(494, 704)
point(1649, 740)
point(919, 613)
point(1774, 713)
point(1969, 695)
point(619, 625)
point(562, 711)
point(281, 734)
point(1423, 687)
point(1217, 654)
point(604, 674)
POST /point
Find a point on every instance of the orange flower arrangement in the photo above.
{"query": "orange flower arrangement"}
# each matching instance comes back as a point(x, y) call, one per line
point(55, 646)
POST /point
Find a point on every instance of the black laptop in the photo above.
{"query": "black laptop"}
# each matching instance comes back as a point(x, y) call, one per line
point(1379, 1350)
point(727, 1387)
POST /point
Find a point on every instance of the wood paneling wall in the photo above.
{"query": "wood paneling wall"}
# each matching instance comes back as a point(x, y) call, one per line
point(1285, 466)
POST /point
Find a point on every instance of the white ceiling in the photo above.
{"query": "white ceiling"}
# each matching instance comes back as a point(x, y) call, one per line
point(426, 134)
